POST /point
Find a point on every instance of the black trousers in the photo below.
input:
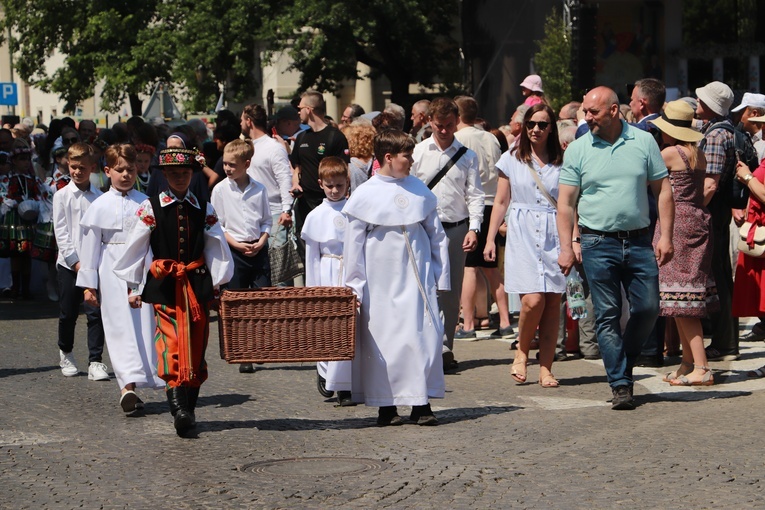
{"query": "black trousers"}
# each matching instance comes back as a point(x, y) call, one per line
point(251, 272)
point(69, 298)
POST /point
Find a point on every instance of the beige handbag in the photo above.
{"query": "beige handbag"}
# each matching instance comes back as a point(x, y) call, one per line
point(757, 250)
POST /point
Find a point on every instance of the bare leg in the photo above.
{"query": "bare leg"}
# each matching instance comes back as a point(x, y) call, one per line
point(467, 298)
point(498, 291)
point(548, 335)
point(692, 339)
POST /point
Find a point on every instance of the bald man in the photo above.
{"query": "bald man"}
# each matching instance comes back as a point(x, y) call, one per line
point(607, 170)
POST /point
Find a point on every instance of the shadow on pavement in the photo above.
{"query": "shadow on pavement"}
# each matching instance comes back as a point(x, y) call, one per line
point(28, 310)
point(8, 372)
point(291, 424)
point(686, 396)
point(478, 363)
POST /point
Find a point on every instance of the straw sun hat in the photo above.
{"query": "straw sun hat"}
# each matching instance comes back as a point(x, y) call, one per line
point(676, 120)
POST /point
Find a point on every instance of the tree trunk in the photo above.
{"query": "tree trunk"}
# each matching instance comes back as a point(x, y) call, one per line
point(136, 105)
point(399, 88)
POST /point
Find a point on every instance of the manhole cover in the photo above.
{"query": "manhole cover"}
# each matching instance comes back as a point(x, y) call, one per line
point(314, 466)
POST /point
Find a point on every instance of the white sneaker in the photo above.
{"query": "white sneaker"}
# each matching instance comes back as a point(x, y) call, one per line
point(68, 367)
point(97, 372)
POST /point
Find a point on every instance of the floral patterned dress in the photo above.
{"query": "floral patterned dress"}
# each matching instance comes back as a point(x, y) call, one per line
point(686, 285)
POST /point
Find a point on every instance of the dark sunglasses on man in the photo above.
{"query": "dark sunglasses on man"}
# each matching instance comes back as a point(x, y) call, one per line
point(69, 141)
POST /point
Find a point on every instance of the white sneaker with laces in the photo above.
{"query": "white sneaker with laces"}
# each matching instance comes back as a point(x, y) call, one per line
point(97, 372)
point(67, 364)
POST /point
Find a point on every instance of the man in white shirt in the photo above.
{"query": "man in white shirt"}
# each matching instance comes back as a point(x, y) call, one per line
point(460, 202)
point(420, 127)
point(270, 164)
point(486, 147)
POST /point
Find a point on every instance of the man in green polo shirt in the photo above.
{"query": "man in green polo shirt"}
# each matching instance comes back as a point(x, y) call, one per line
point(606, 172)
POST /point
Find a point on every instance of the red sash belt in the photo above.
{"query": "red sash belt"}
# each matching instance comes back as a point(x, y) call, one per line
point(185, 301)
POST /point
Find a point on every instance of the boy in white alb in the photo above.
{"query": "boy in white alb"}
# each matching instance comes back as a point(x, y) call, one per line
point(243, 212)
point(323, 233)
point(396, 256)
point(129, 331)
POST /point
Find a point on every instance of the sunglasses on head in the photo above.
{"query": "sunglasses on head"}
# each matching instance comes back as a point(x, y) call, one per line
point(531, 124)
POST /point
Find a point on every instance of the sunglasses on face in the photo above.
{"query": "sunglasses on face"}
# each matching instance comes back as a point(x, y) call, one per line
point(531, 124)
point(22, 157)
point(68, 141)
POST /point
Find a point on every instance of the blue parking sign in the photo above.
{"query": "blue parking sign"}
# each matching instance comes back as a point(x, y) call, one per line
point(9, 94)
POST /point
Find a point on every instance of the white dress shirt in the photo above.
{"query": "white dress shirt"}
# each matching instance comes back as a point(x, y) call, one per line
point(69, 205)
point(270, 166)
point(459, 192)
point(243, 214)
point(486, 147)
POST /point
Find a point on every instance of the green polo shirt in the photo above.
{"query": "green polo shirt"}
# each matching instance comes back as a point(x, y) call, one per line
point(613, 178)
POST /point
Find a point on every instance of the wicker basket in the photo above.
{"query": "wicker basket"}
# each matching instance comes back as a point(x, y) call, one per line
point(287, 324)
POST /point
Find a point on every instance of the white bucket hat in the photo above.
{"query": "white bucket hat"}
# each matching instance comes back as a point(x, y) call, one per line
point(751, 100)
point(533, 82)
point(717, 96)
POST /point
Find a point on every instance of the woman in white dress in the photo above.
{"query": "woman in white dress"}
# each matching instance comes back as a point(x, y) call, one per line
point(531, 252)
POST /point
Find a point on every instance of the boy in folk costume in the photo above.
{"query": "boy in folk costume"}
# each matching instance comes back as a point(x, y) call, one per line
point(396, 256)
point(191, 261)
point(129, 331)
point(323, 233)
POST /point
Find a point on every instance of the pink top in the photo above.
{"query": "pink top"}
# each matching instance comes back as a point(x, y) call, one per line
point(532, 100)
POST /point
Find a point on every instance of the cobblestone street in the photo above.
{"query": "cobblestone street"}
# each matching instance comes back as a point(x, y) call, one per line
point(269, 440)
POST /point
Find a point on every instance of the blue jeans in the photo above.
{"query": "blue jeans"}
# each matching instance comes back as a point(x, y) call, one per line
point(610, 264)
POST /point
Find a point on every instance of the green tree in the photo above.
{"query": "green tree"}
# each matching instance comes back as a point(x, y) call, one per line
point(408, 41)
point(553, 61)
point(97, 38)
point(128, 46)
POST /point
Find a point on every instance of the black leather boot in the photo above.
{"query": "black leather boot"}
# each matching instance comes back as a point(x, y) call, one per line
point(179, 406)
point(193, 394)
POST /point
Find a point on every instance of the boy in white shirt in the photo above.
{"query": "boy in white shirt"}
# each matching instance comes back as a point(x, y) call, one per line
point(69, 205)
point(323, 233)
point(244, 213)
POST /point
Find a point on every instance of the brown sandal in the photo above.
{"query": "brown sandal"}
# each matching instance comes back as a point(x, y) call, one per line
point(671, 376)
point(518, 370)
point(548, 381)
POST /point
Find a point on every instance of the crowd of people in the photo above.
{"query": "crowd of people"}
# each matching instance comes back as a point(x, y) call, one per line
point(441, 231)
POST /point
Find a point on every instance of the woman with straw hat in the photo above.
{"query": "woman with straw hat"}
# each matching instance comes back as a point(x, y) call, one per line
point(685, 282)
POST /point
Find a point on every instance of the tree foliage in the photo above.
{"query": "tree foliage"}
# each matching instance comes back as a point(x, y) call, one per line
point(409, 41)
point(202, 46)
point(553, 61)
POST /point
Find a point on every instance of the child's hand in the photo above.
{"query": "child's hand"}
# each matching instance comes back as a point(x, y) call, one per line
point(91, 298)
point(135, 301)
point(503, 229)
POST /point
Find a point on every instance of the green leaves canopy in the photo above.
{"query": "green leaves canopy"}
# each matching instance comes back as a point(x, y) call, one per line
point(199, 46)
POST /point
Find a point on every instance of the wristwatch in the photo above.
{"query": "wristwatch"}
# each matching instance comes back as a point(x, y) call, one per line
point(576, 240)
point(476, 230)
point(748, 178)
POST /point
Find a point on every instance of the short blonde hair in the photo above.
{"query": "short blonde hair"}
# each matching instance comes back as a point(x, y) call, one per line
point(239, 149)
point(82, 151)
